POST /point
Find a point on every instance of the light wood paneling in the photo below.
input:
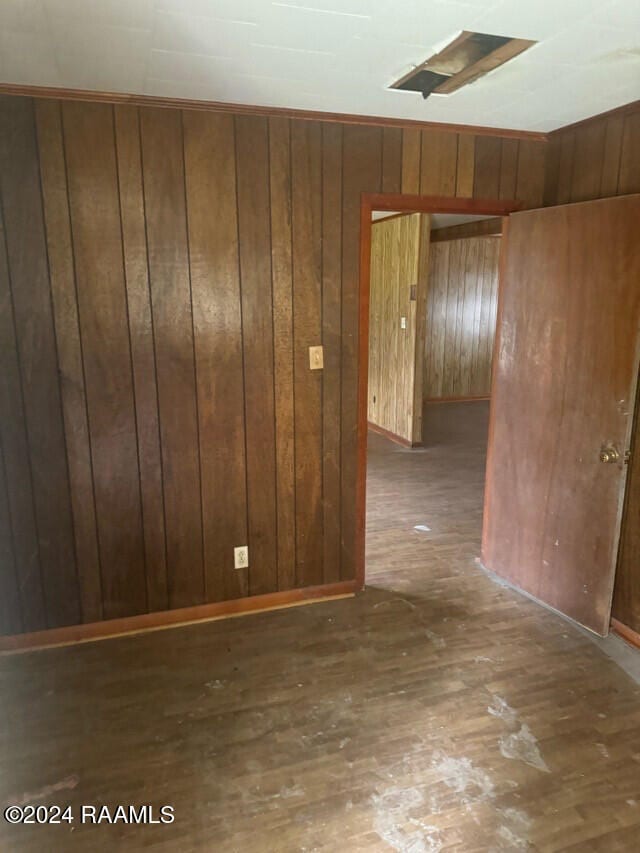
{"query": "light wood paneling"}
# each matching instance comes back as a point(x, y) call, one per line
point(396, 248)
point(461, 317)
point(151, 415)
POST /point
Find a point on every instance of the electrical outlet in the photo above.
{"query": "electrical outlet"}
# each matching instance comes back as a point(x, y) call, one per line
point(403, 322)
point(241, 557)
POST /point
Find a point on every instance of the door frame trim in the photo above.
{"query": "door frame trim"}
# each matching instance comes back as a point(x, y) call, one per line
point(405, 203)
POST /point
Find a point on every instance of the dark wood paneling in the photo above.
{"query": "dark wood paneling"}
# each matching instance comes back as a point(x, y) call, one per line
point(391, 156)
point(37, 354)
point(282, 276)
point(361, 168)
point(185, 233)
point(487, 173)
point(306, 210)
point(134, 245)
point(21, 534)
point(217, 321)
point(102, 305)
point(477, 228)
point(508, 168)
point(331, 335)
point(551, 510)
point(67, 325)
point(163, 181)
point(252, 156)
point(530, 173)
point(629, 177)
point(10, 609)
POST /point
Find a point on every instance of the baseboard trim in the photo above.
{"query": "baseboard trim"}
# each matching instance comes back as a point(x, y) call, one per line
point(392, 436)
point(628, 634)
point(74, 634)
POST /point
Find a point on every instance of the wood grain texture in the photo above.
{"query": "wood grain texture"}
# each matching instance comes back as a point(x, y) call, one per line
point(395, 257)
point(252, 161)
point(332, 330)
point(552, 508)
point(461, 317)
point(477, 228)
point(217, 322)
point(70, 357)
point(306, 213)
point(164, 194)
point(38, 359)
point(141, 333)
point(192, 213)
point(20, 535)
point(102, 306)
point(282, 278)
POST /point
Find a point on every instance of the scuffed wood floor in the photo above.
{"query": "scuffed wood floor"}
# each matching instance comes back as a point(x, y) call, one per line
point(437, 711)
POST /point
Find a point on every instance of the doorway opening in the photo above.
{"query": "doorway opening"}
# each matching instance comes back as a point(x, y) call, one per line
point(428, 300)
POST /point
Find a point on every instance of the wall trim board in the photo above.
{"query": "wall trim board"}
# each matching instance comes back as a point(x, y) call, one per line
point(159, 621)
point(627, 634)
point(392, 436)
point(457, 399)
point(256, 110)
point(479, 228)
point(410, 204)
point(625, 109)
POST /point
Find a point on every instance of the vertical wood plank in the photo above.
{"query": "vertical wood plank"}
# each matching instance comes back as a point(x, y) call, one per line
point(411, 146)
point(466, 165)
point(611, 157)
point(306, 209)
point(419, 308)
point(29, 273)
point(134, 245)
point(588, 162)
point(13, 436)
point(487, 172)
point(530, 180)
point(252, 153)
point(282, 278)
point(391, 159)
point(331, 330)
point(362, 155)
point(213, 251)
point(629, 178)
point(438, 163)
point(10, 610)
point(508, 168)
point(102, 306)
point(164, 192)
point(565, 168)
point(65, 309)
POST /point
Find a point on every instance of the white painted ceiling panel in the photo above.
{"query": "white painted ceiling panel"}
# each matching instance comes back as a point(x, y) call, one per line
point(336, 55)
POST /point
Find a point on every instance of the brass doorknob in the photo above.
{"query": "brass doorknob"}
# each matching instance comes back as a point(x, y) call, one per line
point(609, 453)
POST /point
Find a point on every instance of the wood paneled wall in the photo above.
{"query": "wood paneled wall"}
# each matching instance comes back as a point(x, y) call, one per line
point(461, 317)
point(162, 274)
point(399, 262)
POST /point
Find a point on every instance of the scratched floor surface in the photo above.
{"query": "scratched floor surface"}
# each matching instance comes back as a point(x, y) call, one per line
point(437, 711)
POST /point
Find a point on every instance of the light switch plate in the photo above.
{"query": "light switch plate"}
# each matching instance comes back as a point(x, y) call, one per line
point(403, 322)
point(316, 358)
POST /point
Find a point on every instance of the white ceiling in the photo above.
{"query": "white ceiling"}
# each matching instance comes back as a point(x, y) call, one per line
point(334, 55)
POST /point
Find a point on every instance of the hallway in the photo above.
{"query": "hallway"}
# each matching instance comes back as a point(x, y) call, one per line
point(435, 711)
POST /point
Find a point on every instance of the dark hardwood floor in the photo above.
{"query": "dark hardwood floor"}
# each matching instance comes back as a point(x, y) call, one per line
point(436, 711)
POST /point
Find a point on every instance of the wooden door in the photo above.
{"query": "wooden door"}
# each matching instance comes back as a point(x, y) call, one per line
point(563, 386)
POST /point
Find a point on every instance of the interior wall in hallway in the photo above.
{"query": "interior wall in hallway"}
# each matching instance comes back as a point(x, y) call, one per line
point(399, 263)
point(461, 317)
point(162, 275)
